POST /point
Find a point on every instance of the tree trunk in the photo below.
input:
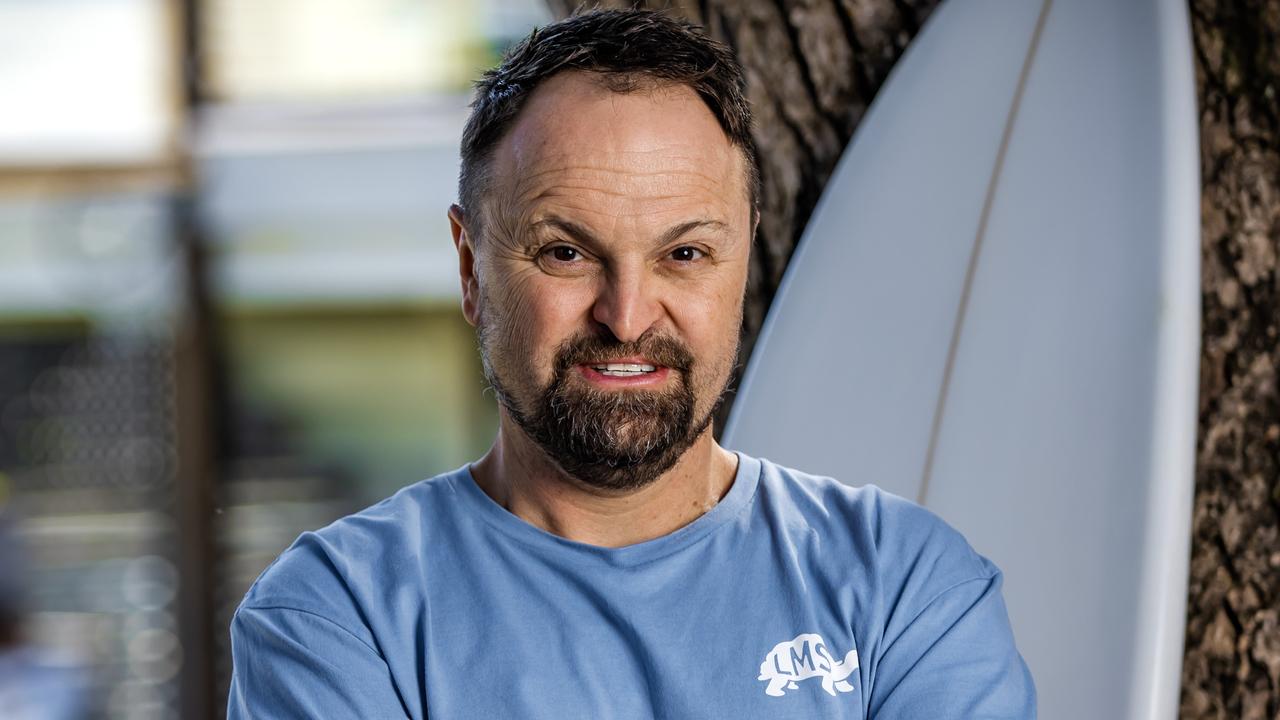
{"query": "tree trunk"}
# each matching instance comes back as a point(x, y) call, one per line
point(813, 67)
point(1232, 663)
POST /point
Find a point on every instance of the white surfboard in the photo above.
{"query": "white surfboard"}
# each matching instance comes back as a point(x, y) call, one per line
point(994, 311)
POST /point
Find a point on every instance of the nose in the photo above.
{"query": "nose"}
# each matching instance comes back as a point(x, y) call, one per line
point(626, 304)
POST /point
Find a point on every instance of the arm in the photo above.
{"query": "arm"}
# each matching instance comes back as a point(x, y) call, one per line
point(290, 663)
point(955, 659)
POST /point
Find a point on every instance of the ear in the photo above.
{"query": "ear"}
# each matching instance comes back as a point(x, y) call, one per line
point(465, 244)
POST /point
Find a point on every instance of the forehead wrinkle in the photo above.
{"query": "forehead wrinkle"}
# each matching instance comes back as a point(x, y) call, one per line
point(549, 137)
point(648, 187)
point(552, 153)
point(579, 170)
point(581, 199)
point(583, 190)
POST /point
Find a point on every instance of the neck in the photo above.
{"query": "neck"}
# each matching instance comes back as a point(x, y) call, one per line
point(521, 478)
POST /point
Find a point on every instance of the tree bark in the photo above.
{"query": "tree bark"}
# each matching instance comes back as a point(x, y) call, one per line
point(1232, 663)
point(813, 67)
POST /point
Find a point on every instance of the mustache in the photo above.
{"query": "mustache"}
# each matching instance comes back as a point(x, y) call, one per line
point(659, 349)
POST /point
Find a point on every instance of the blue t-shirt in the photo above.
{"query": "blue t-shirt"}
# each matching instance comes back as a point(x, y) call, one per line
point(794, 597)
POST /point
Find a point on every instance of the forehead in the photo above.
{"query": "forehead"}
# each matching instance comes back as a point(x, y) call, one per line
point(650, 151)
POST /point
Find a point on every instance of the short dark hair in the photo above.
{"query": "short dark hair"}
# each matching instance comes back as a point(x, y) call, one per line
point(630, 50)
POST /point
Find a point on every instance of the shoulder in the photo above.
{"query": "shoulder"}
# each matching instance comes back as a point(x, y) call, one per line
point(329, 569)
point(326, 629)
point(903, 544)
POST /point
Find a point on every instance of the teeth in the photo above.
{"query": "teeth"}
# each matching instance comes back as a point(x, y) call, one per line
point(623, 369)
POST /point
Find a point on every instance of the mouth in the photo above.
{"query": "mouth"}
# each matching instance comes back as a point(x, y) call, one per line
point(623, 369)
point(624, 372)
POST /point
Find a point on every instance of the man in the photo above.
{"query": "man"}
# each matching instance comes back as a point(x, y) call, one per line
point(607, 558)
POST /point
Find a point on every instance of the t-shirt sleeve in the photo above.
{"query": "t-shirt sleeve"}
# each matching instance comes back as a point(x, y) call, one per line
point(292, 663)
point(956, 659)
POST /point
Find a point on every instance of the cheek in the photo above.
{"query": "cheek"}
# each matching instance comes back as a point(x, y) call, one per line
point(713, 310)
point(537, 314)
point(505, 320)
point(711, 323)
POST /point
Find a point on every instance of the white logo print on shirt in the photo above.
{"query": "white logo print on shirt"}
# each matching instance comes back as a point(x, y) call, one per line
point(806, 657)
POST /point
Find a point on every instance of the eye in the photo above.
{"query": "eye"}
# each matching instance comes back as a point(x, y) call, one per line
point(564, 254)
point(686, 253)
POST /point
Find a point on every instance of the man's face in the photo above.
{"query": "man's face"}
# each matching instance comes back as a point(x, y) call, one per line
point(609, 275)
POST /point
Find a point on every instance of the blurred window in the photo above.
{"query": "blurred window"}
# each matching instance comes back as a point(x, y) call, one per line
point(87, 82)
point(325, 49)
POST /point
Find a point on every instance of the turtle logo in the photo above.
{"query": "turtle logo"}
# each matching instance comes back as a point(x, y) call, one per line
point(806, 657)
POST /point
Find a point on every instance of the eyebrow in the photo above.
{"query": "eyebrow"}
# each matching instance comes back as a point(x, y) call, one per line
point(583, 235)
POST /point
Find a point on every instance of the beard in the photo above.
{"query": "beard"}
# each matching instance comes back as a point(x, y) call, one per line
point(611, 440)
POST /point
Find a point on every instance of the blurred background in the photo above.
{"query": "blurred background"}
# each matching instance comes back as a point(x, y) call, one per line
point(228, 314)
